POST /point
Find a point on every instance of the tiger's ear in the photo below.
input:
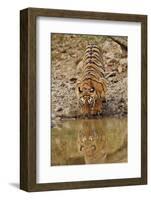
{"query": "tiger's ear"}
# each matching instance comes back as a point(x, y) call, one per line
point(100, 87)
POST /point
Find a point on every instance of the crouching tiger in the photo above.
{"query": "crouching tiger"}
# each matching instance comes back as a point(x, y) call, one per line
point(91, 84)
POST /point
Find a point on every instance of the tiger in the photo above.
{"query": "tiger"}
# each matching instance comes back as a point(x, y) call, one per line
point(91, 84)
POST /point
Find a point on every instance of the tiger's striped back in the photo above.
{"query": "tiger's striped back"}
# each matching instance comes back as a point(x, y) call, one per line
point(92, 63)
point(91, 85)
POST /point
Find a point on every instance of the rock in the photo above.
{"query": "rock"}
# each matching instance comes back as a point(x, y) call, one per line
point(59, 109)
point(122, 99)
point(124, 63)
point(110, 55)
point(63, 51)
point(119, 69)
point(113, 47)
point(62, 84)
point(73, 80)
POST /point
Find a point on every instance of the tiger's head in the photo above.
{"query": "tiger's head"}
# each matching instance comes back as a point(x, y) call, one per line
point(91, 141)
point(90, 94)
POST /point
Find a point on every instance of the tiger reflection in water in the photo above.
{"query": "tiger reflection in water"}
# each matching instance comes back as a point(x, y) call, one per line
point(93, 144)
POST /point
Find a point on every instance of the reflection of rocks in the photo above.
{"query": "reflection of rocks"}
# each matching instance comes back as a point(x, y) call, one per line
point(89, 142)
point(67, 51)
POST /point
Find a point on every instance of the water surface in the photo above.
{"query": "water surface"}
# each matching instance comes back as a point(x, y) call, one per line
point(96, 141)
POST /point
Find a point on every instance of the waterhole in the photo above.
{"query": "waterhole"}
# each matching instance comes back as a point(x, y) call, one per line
point(96, 141)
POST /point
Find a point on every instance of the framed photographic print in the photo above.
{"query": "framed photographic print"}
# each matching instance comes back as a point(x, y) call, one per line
point(83, 92)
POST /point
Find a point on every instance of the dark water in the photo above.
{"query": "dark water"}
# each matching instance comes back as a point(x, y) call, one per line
point(89, 141)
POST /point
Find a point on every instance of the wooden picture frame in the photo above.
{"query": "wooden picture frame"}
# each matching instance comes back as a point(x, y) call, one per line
point(28, 98)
